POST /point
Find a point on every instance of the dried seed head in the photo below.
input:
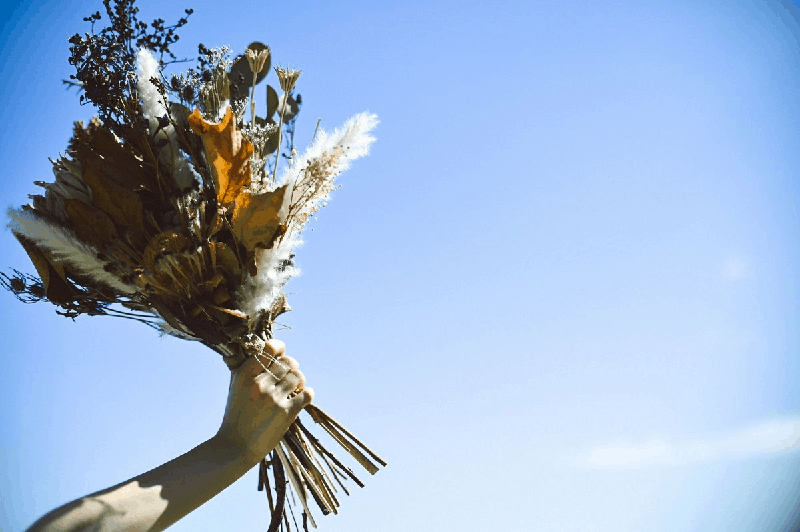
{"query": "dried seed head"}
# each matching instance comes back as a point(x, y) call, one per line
point(17, 285)
point(256, 60)
point(223, 86)
point(287, 77)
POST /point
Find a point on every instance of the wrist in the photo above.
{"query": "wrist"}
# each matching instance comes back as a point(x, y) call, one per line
point(227, 445)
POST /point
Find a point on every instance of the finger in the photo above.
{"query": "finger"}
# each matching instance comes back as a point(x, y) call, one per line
point(283, 375)
point(291, 381)
point(283, 366)
point(271, 360)
point(266, 380)
point(301, 400)
point(267, 357)
point(251, 368)
point(274, 348)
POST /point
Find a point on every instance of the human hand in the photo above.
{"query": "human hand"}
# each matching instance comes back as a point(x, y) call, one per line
point(266, 394)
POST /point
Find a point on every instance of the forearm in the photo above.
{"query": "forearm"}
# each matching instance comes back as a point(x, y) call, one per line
point(192, 479)
point(158, 498)
point(261, 406)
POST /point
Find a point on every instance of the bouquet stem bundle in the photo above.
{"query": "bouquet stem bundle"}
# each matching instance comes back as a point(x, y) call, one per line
point(301, 456)
point(168, 209)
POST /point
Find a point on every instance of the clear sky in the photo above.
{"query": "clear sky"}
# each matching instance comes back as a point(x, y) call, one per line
point(561, 294)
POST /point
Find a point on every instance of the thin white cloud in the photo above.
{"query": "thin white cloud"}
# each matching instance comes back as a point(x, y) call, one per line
point(761, 439)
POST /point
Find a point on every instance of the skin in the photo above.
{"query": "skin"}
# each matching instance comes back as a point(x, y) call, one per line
point(266, 394)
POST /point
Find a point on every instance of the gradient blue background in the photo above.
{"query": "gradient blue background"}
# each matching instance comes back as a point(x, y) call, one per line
point(561, 294)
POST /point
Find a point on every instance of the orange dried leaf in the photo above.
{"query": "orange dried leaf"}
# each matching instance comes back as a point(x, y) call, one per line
point(258, 219)
point(228, 152)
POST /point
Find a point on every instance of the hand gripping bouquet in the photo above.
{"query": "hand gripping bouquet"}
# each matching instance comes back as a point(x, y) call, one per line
point(168, 208)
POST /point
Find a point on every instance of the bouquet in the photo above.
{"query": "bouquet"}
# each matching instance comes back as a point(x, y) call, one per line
point(169, 208)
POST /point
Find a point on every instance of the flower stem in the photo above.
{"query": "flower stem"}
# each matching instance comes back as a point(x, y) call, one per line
point(280, 126)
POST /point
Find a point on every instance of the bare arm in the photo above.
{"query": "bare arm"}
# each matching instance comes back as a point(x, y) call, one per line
point(258, 413)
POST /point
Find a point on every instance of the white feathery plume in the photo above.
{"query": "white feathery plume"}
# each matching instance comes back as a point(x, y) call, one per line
point(153, 108)
point(353, 139)
point(353, 136)
point(152, 102)
point(260, 292)
point(65, 247)
point(327, 157)
point(310, 177)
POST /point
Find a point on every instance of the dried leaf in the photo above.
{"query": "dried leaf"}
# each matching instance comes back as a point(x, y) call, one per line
point(233, 312)
point(161, 245)
point(92, 225)
point(54, 279)
point(123, 206)
point(209, 285)
point(292, 108)
point(272, 141)
point(169, 317)
point(258, 219)
point(97, 147)
point(40, 205)
point(228, 153)
point(272, 101)
point(220, 296)
point(180, 115)
point(279, 306)
point(224, 260)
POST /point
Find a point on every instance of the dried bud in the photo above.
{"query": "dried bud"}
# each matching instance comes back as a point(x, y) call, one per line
point(256, 60)
point(287, 77)
point(17, 285)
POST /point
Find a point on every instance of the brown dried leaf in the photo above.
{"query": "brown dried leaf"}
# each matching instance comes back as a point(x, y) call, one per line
point(116, 172)
point(230, 311)
point(228, 153)
point(220, 296)
point(279, 306)
point(92, 225)
point(258, 219)
point(119, 161)
point(169, 316)
point(123, 206)
point(225, 261)
point(54, 278)
point(164, 243)
point(209, 285)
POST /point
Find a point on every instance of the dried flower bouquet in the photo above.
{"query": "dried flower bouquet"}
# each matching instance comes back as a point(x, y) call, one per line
point(168, 209)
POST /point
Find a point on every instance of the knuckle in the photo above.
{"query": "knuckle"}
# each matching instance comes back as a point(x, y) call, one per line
point(275, 347)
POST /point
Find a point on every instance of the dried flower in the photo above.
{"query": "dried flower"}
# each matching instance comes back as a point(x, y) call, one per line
point(287, 78)
point(257, 59)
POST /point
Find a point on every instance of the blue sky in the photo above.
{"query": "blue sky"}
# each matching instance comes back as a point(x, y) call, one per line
point(561, 293)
